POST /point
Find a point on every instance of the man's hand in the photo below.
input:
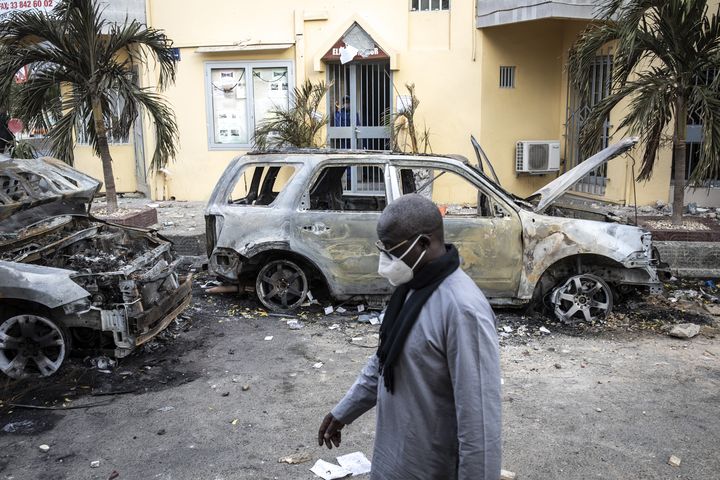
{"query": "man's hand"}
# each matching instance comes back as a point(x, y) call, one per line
point(329, 432)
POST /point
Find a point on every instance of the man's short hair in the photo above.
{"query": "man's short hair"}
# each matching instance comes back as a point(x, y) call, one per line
point(409, 216)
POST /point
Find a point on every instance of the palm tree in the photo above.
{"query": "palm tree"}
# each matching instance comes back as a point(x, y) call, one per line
point(666, 63)
point(94, 62)
point(299, 124)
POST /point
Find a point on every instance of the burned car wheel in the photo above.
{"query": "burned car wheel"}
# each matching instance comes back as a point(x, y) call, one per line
point(31, 346)
point(281, 285)
point(582, 298)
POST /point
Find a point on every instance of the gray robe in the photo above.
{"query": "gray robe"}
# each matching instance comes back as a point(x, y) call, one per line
point(443, 420)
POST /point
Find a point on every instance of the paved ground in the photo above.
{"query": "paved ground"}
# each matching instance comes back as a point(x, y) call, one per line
point(605, 403)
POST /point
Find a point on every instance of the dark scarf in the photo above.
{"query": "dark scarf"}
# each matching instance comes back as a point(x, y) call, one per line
point(400, 315)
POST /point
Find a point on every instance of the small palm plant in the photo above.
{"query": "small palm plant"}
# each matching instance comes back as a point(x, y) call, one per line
point(404, 133)
point(93, 62)
point(666, 63)
point(299, 125)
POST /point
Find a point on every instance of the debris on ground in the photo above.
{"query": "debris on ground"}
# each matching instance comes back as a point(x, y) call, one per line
point(684, 330)
point(44, 448)
point(329, 310)
point(296, 458)
point(507, 475)
point(329, 471)
point(223, 289)
point(23, 426)
point(245, 387)
point(103, 364)
point(295, 324)
point(674, 461)
point(95, 464)
point(268, 338)
point(357, 463)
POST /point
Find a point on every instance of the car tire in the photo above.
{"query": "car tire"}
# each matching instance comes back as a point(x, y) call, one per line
point(281, 285)
point(32, 346)
point(582, 298)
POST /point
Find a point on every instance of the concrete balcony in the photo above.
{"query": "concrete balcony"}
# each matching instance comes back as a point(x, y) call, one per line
point(492, 13)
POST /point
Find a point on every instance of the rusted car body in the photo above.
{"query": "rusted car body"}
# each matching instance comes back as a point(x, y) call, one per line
point(316, 232)
point(70, 280)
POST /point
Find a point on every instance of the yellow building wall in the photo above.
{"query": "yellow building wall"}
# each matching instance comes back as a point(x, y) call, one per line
point(123, 165)
point(454, 66)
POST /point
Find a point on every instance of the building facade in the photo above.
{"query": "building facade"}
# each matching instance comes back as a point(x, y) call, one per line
point(494, 69)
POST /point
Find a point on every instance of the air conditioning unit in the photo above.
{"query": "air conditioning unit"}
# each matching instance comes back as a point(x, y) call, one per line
point(537, 156)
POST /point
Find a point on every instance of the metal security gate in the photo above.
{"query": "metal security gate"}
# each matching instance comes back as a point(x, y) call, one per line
point(359, 99)
point(578, 111)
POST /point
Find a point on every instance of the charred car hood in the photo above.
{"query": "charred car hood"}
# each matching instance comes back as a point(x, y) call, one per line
point(33, 189)
point(553, 190)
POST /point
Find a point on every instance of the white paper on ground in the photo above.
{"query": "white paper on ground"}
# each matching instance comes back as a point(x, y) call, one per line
point(329, 471)
point(356, 462)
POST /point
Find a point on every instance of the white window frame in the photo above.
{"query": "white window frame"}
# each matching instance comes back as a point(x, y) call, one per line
point(429, 6)
point(248, 66)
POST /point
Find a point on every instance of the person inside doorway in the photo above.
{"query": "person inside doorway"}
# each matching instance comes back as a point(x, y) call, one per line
point(435, 377)
point(342, 113)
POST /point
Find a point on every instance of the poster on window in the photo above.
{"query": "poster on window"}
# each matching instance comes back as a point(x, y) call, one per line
point(20, 6)
point(229, 101)
point(271, 91)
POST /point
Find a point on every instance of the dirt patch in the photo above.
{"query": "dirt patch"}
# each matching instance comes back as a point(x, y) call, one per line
point(691, 225)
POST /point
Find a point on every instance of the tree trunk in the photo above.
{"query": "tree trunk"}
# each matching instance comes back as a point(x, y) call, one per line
point(679, 156)
point(104, 149)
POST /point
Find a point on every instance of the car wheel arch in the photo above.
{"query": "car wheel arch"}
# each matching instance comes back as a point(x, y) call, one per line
point(570, 265)
point(311, 269)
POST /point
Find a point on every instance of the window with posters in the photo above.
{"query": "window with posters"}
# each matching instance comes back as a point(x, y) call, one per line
point(240, 95)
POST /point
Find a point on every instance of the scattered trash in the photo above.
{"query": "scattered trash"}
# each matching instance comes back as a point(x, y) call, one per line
point(710, 284)
point(296, 458)
point(223, 289)
point(226, 394)
point(295, 324)
point(268, 338)
point(598, 410)
point(44, 448)
point(374, 321)
point(356, 462)
point(364, 318)
point(361, 308)
point(210, 283)
point(684, 330)
point(234, 422)
point(558, 366)
point(334, 326)
point(23, 426)
point(507, 475)
point(103, 363)
point(95, 464)
point(329, 310)
point(544, 330)
point(674, 461)
point(318, 365)
point(245, 387)
point(329, 471)
point(507, 329)
point(165, 409)
point(162, 431)
point(340, 310)
point(113, 475)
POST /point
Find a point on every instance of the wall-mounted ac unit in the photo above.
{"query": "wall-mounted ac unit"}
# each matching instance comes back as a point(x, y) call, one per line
point(537, 156)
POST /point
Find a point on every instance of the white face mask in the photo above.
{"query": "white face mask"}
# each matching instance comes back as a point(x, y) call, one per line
point(394, 269)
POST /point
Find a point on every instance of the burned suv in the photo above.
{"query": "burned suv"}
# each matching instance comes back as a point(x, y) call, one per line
point(70, 280)
point(286, 223)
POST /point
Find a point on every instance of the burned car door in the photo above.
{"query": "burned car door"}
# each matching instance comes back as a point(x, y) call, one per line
point(337, 220)
point(486, 230)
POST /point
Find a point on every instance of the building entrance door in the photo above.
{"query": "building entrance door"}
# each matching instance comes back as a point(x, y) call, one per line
point(359, 101)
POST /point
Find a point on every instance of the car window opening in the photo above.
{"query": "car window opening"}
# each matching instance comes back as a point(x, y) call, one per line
point(260, 184)
point(455, 194)
point(349, 188)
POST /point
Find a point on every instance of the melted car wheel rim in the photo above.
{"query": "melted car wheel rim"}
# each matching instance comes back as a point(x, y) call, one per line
point(281, 285)
point(582, 298)
point(30, 346)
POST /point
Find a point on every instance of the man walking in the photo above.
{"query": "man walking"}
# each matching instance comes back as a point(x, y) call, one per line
point(436, 376)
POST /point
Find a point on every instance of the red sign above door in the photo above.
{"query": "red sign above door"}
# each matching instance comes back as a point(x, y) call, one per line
point(333, 55)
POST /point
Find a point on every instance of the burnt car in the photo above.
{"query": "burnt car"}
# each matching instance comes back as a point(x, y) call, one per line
point(289, 224)
point(69, 280)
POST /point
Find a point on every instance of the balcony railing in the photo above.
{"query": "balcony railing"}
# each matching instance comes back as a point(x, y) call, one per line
point(491, 13)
